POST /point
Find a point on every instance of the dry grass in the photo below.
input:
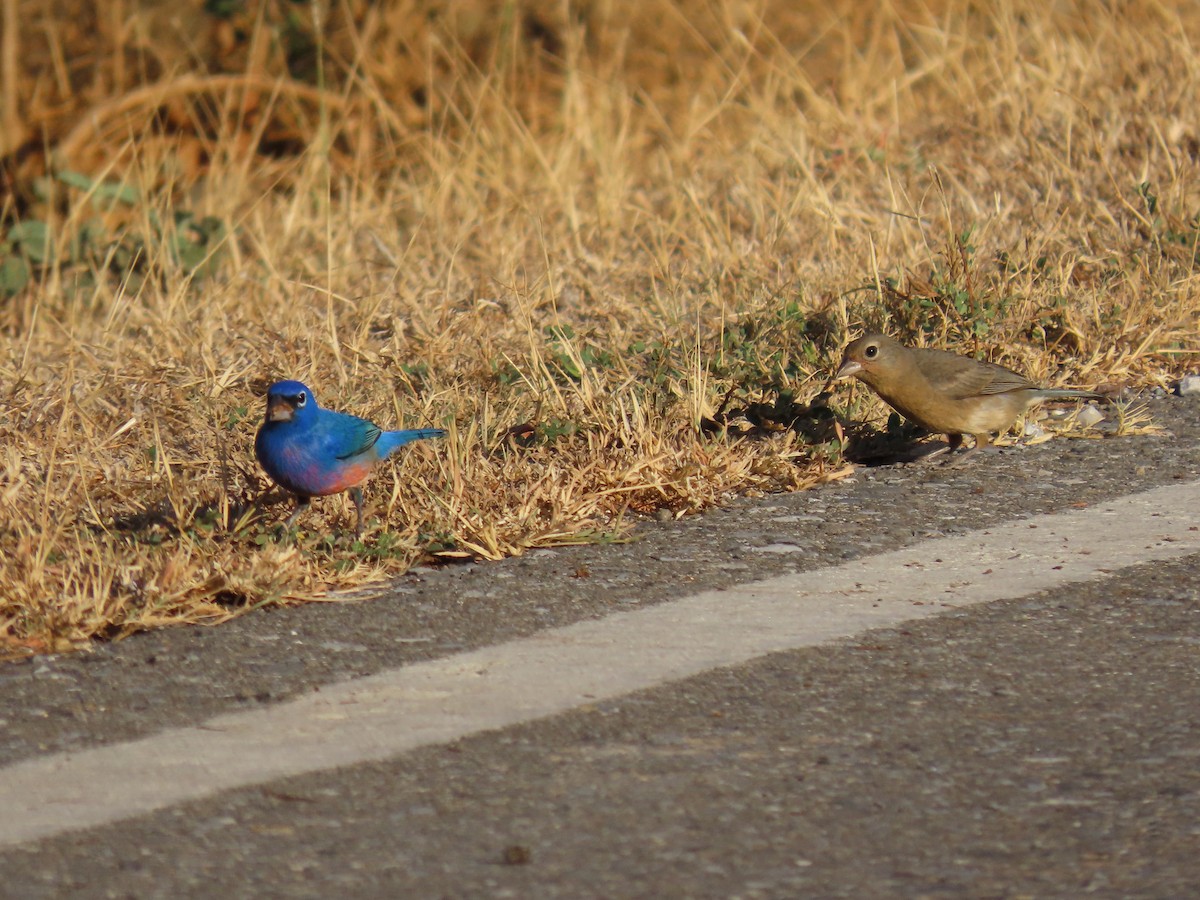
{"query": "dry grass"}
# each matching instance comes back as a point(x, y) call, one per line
point(582, 243)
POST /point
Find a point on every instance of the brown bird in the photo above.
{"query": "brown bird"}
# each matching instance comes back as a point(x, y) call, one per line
point(943, 392)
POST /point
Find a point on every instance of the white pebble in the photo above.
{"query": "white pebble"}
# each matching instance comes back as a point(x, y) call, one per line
point(1089, 416)
point(1188, 385)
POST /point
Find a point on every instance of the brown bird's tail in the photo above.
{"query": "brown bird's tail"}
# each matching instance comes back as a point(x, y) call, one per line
point(1068, 394)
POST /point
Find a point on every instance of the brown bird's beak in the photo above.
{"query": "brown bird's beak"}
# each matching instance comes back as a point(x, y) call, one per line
point(849, 367)
point(280, 409)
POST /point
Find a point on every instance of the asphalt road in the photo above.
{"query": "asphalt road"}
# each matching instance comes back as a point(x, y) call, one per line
point(1047, 745)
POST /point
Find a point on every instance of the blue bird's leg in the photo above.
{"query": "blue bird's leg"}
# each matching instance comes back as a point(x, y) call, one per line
point(301, 506)
point(356, 495)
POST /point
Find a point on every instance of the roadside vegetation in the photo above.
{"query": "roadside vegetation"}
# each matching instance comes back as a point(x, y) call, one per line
point(614, 249)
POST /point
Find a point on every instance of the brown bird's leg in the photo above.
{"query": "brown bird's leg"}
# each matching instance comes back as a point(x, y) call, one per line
point(357, 496)
point(935, 453)
point(982, 442)
point(954, 441)
point(301, 506)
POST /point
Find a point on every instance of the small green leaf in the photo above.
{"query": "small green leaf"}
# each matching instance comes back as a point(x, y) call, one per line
point(189, 254)
point(117, 191)
point(14, 275)
point(569, 366)
point(76, 180)
point(33, 237)
point(236, 415)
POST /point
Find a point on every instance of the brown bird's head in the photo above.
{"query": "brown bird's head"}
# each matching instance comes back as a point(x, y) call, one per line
point(873, 358)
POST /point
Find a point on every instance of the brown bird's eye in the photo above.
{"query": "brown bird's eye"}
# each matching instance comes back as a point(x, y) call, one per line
point(871, 352)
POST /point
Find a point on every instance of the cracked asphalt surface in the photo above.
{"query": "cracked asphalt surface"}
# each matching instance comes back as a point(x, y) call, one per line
point(1047, 746)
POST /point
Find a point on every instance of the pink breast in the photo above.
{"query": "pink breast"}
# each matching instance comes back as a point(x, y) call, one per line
point(309, 477)
point(347, 476)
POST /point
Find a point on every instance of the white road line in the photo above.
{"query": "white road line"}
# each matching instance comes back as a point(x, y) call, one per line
point(445, 699)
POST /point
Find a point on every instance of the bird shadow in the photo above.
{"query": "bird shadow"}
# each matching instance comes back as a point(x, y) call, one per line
point(899, 445)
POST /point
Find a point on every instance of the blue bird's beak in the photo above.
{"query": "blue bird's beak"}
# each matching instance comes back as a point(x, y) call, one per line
point(280, 409)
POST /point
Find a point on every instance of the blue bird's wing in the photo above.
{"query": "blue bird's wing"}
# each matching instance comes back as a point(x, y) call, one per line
point(343, 436)
point(367, 438)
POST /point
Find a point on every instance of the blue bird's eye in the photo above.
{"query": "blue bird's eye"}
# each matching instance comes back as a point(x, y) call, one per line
point(301, 398)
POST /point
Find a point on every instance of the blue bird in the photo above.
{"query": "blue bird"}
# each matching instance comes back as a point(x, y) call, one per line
point(312, 452)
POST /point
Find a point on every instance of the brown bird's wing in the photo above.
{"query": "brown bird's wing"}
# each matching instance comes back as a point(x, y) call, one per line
point(962, 377)
point(1005, 380)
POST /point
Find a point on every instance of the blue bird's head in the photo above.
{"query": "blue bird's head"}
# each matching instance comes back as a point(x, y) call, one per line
point(290, 401)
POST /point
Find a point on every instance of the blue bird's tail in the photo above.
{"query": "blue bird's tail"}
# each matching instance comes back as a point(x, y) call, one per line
point(390, 441)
